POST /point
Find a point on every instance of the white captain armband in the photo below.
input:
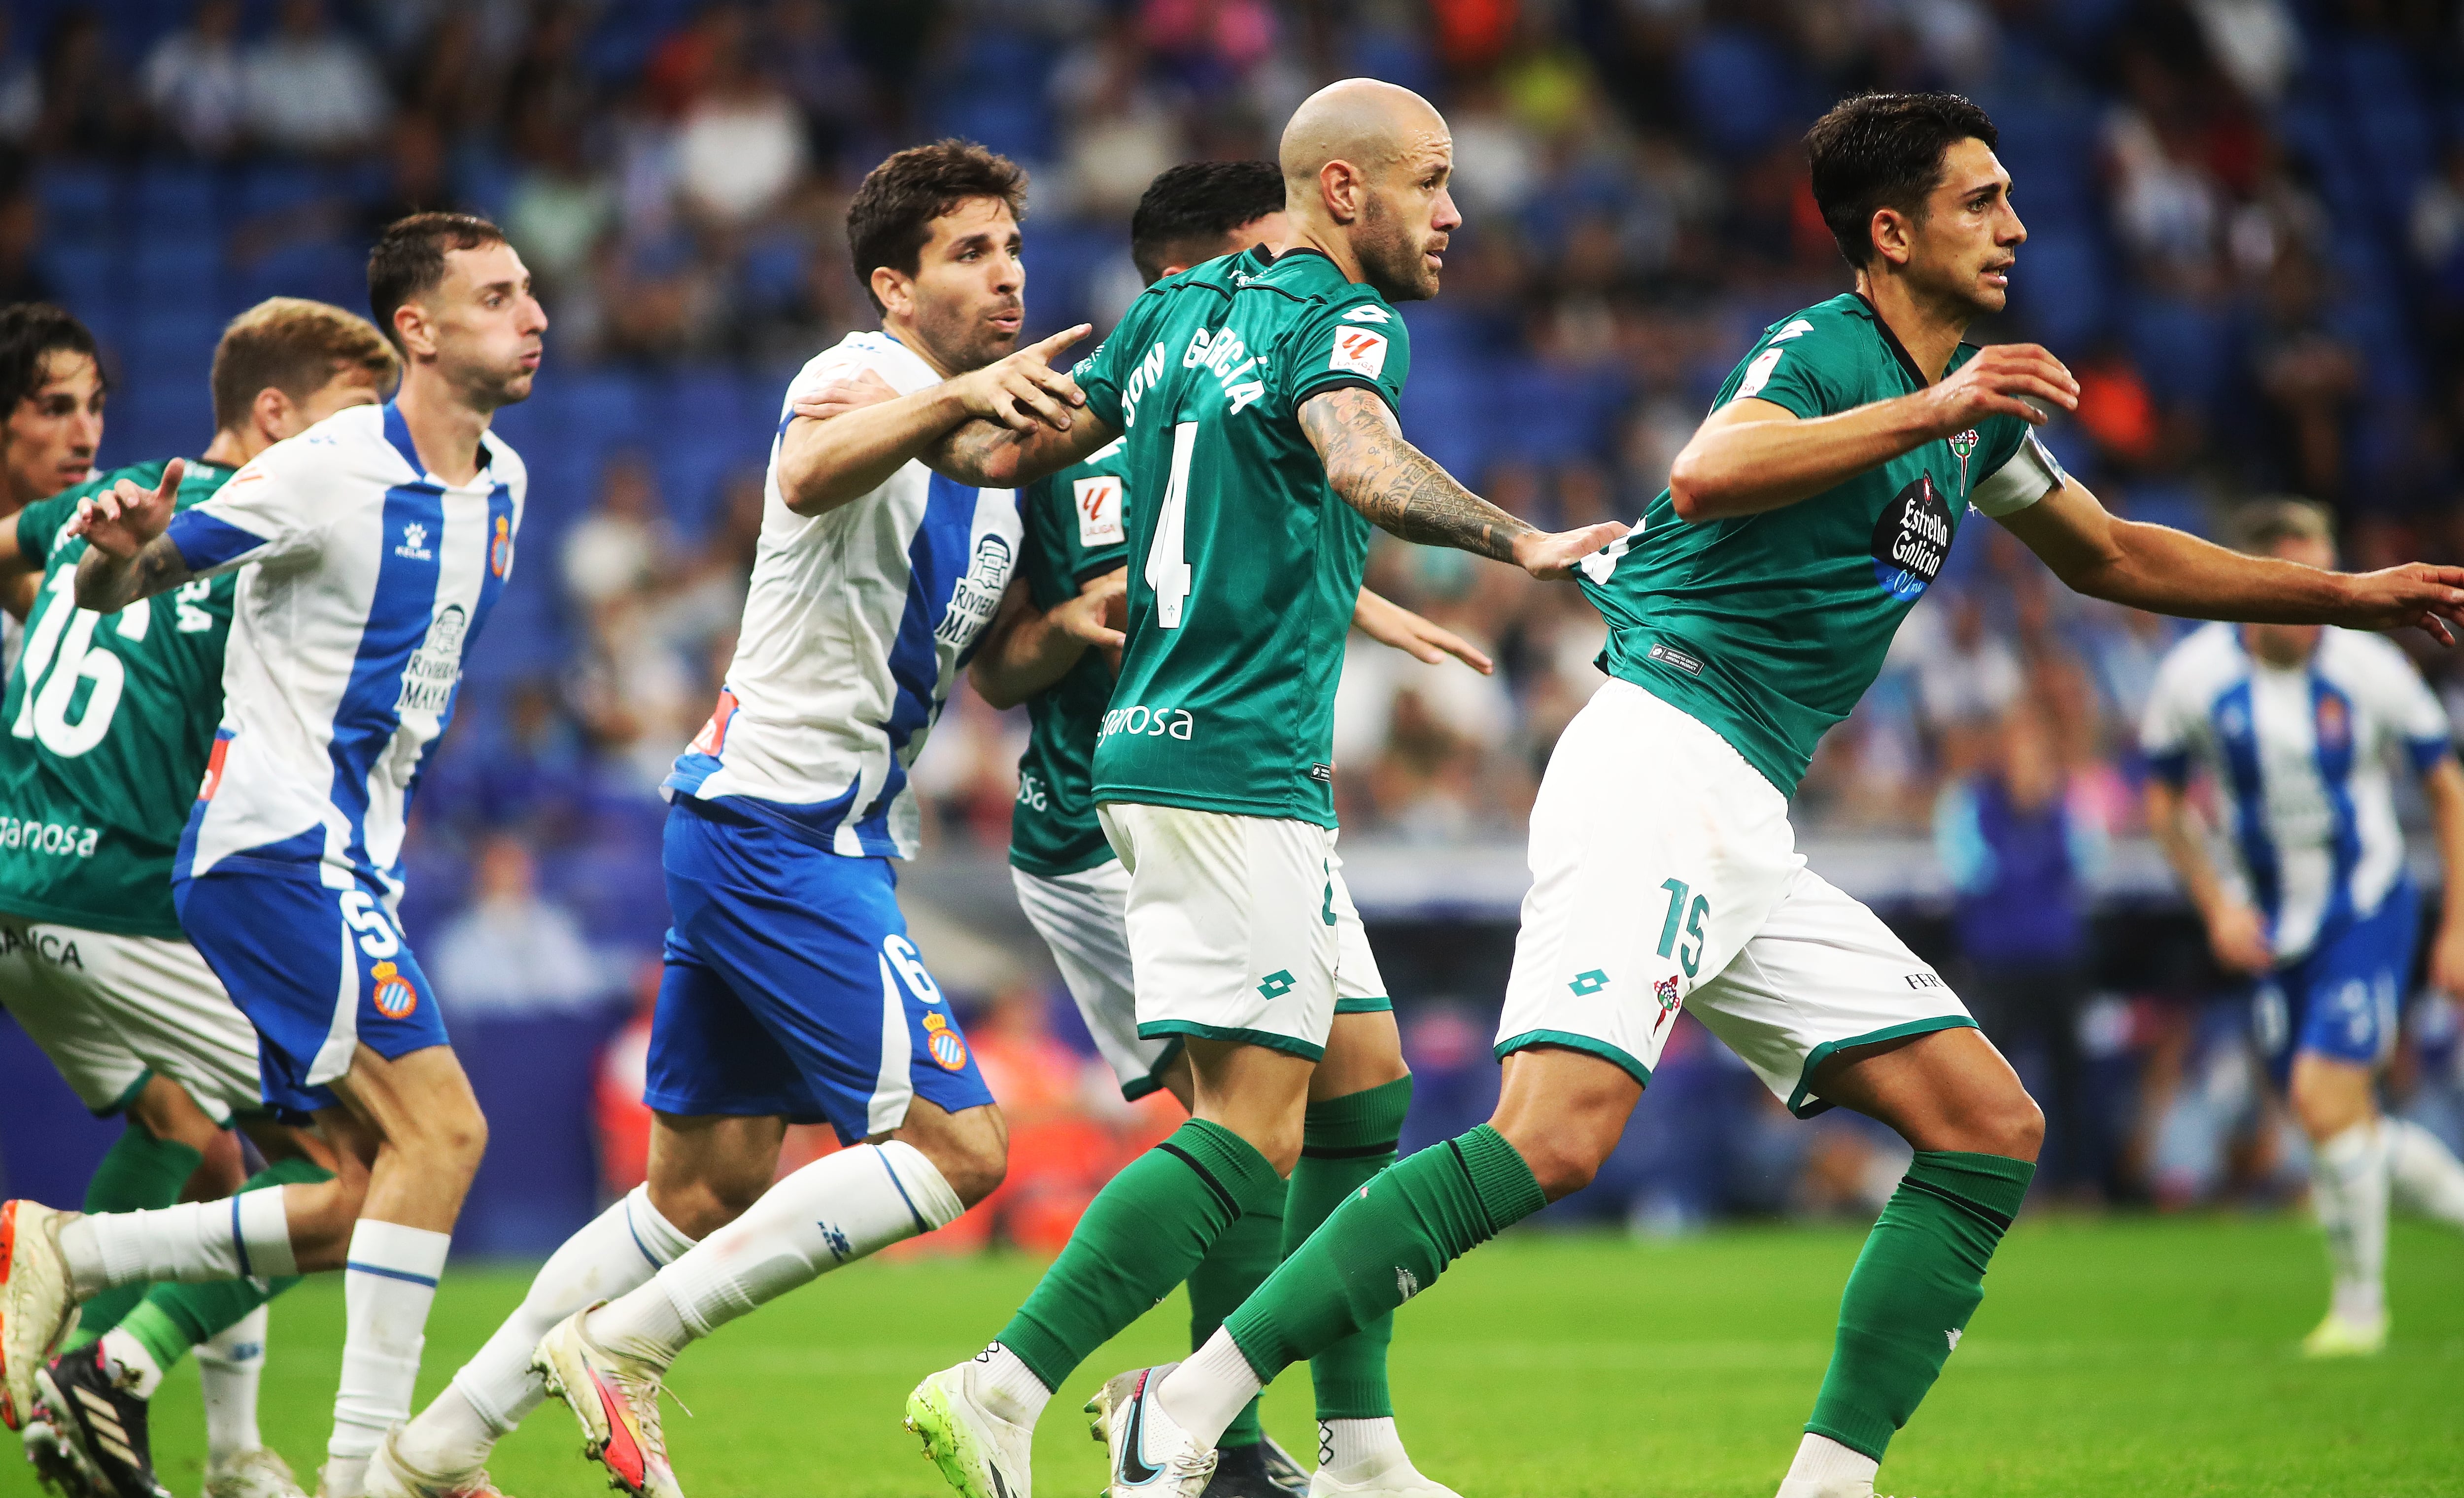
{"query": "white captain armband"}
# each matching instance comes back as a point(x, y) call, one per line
point(2030, 474)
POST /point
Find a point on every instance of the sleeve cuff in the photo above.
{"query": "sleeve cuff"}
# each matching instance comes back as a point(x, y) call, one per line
point(2172, 766)
point(2425, 753)
point(2030, 474)
point(206, 543)
point(1095, 563)
point(1317, 387)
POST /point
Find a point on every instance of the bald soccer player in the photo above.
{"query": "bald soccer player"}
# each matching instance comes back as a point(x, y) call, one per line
point(1256, 396)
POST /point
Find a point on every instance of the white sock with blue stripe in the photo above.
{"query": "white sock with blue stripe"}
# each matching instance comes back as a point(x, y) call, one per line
point(832, 1212)
point(621, 1249)
point(388, 1283)
point(240, 1237)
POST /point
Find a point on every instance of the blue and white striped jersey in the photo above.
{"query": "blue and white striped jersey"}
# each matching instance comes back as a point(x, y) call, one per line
point(2299, 757)
point(366, 580)
point(856, 623)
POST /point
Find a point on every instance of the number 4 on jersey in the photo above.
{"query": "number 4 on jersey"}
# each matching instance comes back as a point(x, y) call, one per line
point(1167, 570)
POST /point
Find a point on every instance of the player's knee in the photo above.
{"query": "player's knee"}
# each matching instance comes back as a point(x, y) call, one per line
point(2011, 1125)
point(974, 1161)
point(452, 1136)
point(1562, 1166)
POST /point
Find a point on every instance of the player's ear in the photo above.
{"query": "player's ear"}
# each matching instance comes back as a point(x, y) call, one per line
point(1341, 186)
point(1894, 236)
point(413, 331)
point(894, 292)
point(274, 414)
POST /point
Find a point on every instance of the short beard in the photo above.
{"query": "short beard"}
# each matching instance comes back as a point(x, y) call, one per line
point(1389, 259)
point(962, 343)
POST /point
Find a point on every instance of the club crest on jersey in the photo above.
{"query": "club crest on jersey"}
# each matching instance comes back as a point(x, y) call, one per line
point(500, 548)
point(428, 678)
point(2335, 726)
point(1911, 538)
point(1665, 991)
point(948, 1047)
point(976, 596)
point(394, 996)
point(414, 543)
point(1963, 447)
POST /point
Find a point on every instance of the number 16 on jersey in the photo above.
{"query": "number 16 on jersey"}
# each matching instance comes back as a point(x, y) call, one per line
point(1167, 567)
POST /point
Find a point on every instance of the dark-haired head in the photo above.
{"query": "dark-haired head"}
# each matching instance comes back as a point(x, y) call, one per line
point(933, 234)
point(1909, 184)
point(1198, 209)
point(451, 295)
point(51, 389)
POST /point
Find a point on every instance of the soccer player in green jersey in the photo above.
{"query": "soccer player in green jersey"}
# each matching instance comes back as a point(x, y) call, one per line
point(52, 392)
point(1256, 395)
point(1748, 610)
point(1074, 890)
point(109, 720)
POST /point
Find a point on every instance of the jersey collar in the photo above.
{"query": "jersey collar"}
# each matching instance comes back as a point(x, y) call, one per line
point(398, 432)
point(1891, 340)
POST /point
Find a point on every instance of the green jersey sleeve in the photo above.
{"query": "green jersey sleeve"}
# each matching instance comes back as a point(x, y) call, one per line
point(38, 524)
point(1795, 368)
point(1356, 339)
point(1118, 372)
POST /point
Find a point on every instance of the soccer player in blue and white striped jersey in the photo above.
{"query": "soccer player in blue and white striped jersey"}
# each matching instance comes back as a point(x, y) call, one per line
point(2296, 727)
point(371, 549)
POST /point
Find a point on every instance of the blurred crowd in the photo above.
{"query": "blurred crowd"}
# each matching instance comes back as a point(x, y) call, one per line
point(2246, 237)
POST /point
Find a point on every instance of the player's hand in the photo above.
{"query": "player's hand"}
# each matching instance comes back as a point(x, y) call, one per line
point(1390, 622)
point(2414, 596)
point(1024, 390)
point(1553, 556)
point(2000, 380)
point(840, 396)
point(120, 521)
point(2237, 935)
point(1096, 616)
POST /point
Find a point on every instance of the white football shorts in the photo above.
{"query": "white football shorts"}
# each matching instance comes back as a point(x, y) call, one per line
point(1084, 918)
point(111, 1010)
point(1665, 874)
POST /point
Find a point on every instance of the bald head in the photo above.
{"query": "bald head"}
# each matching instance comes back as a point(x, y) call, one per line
point(1365, 168)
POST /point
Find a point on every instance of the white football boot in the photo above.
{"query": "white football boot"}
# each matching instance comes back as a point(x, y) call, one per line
point(980, 1454)
point(616, 1399)
point(1836, 1488)
point(2340, 1336)
point(262, 1473)
point(37, 1310)
point(390, 1476)
point(1398, 1479)
point(1151, 1456)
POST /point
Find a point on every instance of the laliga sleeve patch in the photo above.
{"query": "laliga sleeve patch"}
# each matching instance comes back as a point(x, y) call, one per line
point(1359, 351)
point(1099, 511)
point(1758, 374)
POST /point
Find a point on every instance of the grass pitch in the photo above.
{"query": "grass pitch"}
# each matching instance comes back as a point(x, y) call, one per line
point(2131, 1357)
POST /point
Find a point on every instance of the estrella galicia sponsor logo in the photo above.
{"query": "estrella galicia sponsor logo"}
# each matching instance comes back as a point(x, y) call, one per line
point(1669, 654)
point(1911, 539)
point(974, 597)
point(1153, 723)
point(429, 678)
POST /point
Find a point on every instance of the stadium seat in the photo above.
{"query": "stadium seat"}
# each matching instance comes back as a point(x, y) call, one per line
point(1738, 90)
point(79, 202)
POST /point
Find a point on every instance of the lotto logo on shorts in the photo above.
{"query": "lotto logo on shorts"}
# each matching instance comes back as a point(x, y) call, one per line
point(1586, 984)
point(394, 996)
point(1276, 985)
point(947, 1046)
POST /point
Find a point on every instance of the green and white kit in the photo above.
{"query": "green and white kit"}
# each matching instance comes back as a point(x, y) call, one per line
point(1665, 868)
point(109, 720)
point(1071, 883)
point(1214, 758)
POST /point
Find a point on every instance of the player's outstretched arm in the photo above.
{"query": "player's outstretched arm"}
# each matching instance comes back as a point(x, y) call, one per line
point(1753, 455)
point(1388, 623)
point(127, 557)
point(1027, 649)
point(995, 456)
point(2167, 571)
point(837, 448)
point(1402, 489)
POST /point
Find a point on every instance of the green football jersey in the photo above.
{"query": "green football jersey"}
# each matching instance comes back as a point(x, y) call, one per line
point(110, 718)
point(1073, 533)
point(1244, 564)
point(1769, 627)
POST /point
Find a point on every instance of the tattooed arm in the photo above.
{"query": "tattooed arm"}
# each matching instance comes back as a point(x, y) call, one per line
point(993, 456)
point(127, 557)
point(1398, 488)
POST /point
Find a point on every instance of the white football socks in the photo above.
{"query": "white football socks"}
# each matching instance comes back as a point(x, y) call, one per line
point(230, 1365)
point(619, 1249)
point(246, 1236)
point(127, 1364)
point(388, 1286)
point(2425, 1174)
point(1211, 1387)
point(834, 1211)
point(1008, 1387)
point(1823, 1465)
point(2348, 1187)
point(1357, 1450)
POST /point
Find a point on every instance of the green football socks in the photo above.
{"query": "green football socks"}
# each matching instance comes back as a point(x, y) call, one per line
point(139, 1173)
point(1345, 1142)
point(1388, 1240)
point(1143, 1234)
point(171, 1319)
point(1916, 1284)
point(1242, 1257)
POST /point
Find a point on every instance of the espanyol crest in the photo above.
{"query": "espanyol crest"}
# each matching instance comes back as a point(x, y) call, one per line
point(500, 549)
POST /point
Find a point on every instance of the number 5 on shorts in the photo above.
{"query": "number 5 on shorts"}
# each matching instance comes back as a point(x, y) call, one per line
point(1690, 957)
